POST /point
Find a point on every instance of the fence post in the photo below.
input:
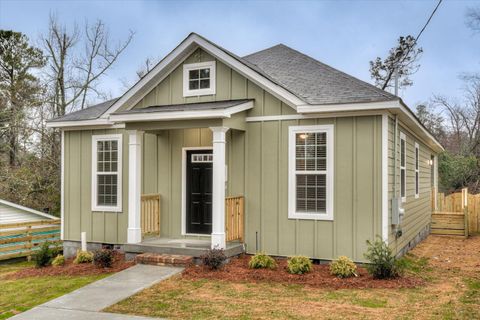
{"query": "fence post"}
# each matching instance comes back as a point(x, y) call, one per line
point(29, 243)
point(465, 209)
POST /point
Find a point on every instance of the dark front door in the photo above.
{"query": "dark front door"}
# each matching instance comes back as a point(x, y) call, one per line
point(199, 191)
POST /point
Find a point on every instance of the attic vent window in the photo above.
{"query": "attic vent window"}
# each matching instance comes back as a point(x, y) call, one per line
point(199, 79)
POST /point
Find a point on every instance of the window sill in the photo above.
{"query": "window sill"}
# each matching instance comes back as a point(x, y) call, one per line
point(107, 209)
point(198, 93)
point(311, 216)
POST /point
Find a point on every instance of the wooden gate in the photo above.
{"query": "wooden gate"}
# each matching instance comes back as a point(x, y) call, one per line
point(454, 214)
point(234, 217)
point(150, 218)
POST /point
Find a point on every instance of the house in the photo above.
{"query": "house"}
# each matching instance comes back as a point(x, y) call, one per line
point(11, 213)
point(315, 161)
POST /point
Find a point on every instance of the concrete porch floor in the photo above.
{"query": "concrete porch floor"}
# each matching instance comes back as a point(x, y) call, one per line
point(188, 247)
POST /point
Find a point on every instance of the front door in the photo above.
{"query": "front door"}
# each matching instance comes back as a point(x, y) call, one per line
point(199, 191)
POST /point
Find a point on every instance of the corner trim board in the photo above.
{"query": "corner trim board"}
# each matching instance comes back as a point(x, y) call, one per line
point(385, 212)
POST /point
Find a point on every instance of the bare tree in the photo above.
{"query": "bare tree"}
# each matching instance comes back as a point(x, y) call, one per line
point(74, 76)
point(146, 67)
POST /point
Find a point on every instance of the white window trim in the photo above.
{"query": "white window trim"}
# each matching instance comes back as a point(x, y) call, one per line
point(199, 92)
point(417, 170)
point(95, 206)
point(292, 214)
point(404, 167)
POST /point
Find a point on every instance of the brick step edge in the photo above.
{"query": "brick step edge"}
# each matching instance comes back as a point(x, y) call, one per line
point(163, 259)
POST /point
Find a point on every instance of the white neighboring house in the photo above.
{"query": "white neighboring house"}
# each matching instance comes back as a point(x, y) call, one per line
point(14, 213)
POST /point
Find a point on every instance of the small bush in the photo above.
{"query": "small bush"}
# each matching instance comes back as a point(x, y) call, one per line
point(343, 267)
point(262, 261)
point(83, 257)
point(214, 258)
point(299, 265)
point(383, 264)
point(58, 261)
point(46, 253)
point(103, 258)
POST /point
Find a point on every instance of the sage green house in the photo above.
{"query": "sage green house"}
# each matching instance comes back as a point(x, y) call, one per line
point(273, 152)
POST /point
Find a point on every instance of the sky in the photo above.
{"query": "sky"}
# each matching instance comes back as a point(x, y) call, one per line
point(343, 34)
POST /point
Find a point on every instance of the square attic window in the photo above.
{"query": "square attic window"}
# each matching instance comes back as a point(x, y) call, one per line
point(199, 79)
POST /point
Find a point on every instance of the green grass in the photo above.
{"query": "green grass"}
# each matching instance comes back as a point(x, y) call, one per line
point(20, 295)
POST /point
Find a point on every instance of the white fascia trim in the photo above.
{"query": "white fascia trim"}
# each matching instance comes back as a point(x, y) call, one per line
point(182, 115)
point(20, 207)
point(64, 124)
point(95, 206)
point(199, 92)
point(286, 117)
point(184, 191)
point(385, 213)
point(322, 108)
point(292, 214)
point(247, 72)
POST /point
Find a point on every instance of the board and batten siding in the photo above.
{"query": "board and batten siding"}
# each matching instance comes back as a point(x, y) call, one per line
point(417, 210)
point(357, 191)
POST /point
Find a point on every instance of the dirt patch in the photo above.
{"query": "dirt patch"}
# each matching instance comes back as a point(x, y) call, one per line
point(451, 253)
point(237, 270)
point(71, 269)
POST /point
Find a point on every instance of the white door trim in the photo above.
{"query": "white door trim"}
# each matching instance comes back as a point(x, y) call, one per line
point(184, 190)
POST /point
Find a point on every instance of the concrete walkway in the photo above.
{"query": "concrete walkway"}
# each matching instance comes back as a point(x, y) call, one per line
point(87, 302)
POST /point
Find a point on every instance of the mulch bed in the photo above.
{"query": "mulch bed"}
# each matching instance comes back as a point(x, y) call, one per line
point(71, 269)
point(237, 271)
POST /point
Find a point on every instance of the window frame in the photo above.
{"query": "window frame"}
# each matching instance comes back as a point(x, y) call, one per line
point(403, 188)
point(292, 172)
point(187, 92)
point(95, 205)
point(417, 170)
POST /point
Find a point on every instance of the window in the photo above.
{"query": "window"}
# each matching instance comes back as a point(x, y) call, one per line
point(107, 172)
point(199, 79)
point(403, 171)
point(310, 185)
point(417, 170)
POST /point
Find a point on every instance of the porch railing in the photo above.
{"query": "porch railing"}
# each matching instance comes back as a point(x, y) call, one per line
point(234, 218)
point(150, 218)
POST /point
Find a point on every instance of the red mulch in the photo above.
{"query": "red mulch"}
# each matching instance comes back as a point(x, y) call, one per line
point(237, 271)
point(71, 269)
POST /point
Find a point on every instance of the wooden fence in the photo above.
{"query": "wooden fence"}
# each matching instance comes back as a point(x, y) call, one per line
point(150, 217)
point(23, 239)
point(457, 213)
point(234, 218)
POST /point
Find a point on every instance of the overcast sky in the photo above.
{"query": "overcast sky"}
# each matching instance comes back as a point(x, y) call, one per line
point(343, 34)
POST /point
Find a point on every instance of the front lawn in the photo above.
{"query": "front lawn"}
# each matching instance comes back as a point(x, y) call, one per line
point(450, 289)
point(22, 286)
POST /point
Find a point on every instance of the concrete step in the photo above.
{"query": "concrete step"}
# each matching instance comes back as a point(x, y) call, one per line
point(163, 259)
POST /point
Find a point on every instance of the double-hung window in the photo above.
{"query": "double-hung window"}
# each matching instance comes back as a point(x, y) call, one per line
point(310, 185)
point(107, 172)
point(403, 171)
point(199, 79)
point(417, 170)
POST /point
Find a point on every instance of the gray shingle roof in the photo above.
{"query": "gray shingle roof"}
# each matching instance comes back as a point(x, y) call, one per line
point(215, 105)
point(89, 113)
point(313, 81)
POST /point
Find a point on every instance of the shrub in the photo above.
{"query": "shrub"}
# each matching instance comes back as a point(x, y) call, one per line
point(45, 255)
point(383, 264)
point(58, 261)
point(343, 267)
point(299, 265)
point(83, 257)
point(214, 258)
point(262, 261)
point(103, 258)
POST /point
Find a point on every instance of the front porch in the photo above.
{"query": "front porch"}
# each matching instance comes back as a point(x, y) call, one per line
point(186, 179)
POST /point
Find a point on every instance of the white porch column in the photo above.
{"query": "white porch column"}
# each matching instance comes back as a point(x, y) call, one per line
point(134, 234)
point(218, 188)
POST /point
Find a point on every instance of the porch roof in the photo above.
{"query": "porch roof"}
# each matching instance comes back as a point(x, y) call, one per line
point(189, 111)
